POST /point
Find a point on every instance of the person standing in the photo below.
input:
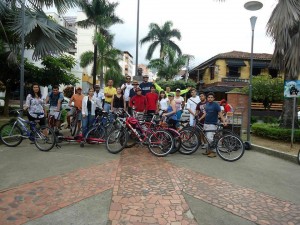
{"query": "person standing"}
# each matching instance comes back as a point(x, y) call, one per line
point(191, 105)
point(126, 87)
point(145, 85)
point(171, 112)
point(152, 101)
point(118, 101)
point(211, 114)
point(163, 102)
point(77, 99)
point(179, 101)
point(89, 104)
point(99, 95)
point(201, 107)
point(109, 92)
point(227, 107)
point(35, 105)
point(139, 101)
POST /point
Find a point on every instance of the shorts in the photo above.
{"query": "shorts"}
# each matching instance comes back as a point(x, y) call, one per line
point(40, 121)
point(53, 112)
point(72, 112)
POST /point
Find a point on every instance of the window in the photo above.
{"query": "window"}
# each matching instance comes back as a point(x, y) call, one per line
point(212, 72)
point(233, 71)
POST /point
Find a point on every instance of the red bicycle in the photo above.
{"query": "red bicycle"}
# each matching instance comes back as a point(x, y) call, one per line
point(159, 142)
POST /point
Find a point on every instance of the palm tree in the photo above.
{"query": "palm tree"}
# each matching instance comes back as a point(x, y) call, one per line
point(171, 65)
point(100, 15)
point(161, 36)
point(107, 56)
point(284, 28)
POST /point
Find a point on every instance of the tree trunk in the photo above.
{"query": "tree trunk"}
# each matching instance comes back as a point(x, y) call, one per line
point(95, 65)
point(101, 77)
point(6, 99)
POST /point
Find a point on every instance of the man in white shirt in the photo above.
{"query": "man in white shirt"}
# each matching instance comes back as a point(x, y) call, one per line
point(191, 105)
point(99, 95)
point(126, 87)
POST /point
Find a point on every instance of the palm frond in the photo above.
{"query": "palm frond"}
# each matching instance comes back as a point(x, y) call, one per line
point(86, 59)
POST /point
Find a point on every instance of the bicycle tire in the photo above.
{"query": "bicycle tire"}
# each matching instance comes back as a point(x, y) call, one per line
point(94, 133)
point(230, 148)
point(42, 142)
point(73, 125)
point(5, 134)
point(132, 139)
point(162, 140)
point(177, 140)
point(298, 158)
point(116, 141)
point(190, 141)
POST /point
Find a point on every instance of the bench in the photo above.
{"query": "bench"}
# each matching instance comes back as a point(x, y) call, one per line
point(274, 106)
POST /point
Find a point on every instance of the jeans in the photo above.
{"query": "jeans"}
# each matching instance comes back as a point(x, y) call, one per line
point(178, 113)
point(87, 121)
point(107, 107)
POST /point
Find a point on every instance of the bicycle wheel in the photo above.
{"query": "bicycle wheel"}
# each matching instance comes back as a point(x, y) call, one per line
point(94, 135)
point(116, 140)
point(73, 125)
point(132, 139)
point(230, 148)
point(160, 143)
point(44, 138)
point(190, 141)
point(11, 135)
point(298, 158)
point(176, 139)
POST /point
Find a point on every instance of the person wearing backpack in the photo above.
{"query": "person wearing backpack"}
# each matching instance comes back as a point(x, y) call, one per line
point(55, 99)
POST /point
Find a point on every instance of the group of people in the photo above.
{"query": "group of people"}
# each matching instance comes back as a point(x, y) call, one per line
point(130, 96)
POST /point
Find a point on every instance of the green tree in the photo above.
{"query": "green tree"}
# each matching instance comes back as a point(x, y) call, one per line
point(161, 36)
point(100, 15)
point(267, 89)
point(116, 76)
point(107, 56)
point(170, 66)
point(174, 84)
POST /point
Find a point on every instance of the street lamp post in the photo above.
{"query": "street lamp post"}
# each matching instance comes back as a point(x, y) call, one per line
point(252, 6)
point(137, 38)
point(22, 56)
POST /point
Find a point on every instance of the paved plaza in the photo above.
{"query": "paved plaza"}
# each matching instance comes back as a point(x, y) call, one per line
point(74, 185)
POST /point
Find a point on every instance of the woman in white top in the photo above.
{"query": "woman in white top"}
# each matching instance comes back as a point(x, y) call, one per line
point(89, 104)
point(191, 105)
point(163, 102)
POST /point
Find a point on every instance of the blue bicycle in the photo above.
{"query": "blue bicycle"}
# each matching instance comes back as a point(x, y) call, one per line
point(15, 131)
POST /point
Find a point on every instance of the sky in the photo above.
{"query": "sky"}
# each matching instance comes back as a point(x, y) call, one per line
point(208, 27)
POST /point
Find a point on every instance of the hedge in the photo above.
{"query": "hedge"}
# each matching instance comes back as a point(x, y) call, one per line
point(273, 131)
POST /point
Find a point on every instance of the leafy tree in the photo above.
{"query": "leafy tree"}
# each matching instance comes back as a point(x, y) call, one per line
point(161, 36)
point(170, 66)
point(267, 89)
point(116, 76)
point(107, 56)
point(100, 15)
point(176, 84)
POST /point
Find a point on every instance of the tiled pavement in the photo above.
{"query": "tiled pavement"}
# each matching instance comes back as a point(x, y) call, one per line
point(146, 190)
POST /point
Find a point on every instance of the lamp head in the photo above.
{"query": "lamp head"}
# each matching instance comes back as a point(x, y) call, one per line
point(253, 5)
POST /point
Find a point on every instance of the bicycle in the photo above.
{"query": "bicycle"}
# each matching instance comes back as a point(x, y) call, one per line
point(13, 133)
point(229, 146)
point(159, 142)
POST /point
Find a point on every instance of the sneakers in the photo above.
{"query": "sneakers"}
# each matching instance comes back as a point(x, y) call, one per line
point(204, 146)
point(211, 155)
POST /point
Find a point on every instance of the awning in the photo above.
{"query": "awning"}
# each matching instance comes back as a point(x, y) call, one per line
point(217, 89)
point(260, 64)
point(235, 63)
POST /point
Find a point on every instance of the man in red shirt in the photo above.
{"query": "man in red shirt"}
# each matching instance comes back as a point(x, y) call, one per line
point(227, 107)
point(152, 101)
point(138, 102)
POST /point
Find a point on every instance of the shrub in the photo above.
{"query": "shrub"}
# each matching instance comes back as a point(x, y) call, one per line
point(273, 131)
point(64, 115)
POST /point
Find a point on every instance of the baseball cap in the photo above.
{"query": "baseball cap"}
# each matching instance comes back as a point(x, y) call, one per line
point(127, 76)
point(135, 82)
point(178, 89)
point(97, 85)
point(222, 101)
point(170, 95)
point(145, 75)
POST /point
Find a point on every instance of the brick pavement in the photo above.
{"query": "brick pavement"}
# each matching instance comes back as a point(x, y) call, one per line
point(146, 190)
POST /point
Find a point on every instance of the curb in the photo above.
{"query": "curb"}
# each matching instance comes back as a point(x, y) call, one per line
point(272, 152)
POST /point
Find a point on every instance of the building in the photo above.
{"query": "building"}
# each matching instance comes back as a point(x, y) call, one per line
point(127, 64)
point(230, 70)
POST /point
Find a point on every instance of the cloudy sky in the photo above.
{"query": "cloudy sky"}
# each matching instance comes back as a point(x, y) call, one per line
point(207, 27)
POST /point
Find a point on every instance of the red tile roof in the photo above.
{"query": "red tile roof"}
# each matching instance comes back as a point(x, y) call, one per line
point(243, 55)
